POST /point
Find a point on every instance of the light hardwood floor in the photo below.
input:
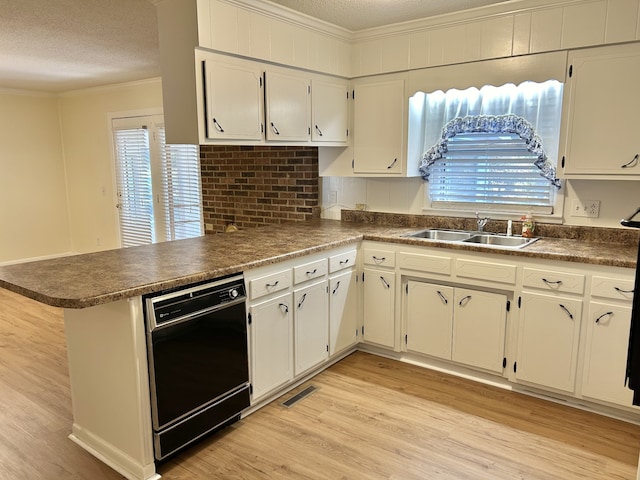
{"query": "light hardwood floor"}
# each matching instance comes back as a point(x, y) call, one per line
point(371, 418)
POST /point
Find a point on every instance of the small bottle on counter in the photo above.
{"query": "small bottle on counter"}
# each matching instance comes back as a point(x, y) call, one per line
point(509, 228)
point(528, 225)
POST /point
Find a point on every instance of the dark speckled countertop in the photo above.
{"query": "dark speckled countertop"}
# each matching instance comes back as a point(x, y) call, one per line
point(91, 279)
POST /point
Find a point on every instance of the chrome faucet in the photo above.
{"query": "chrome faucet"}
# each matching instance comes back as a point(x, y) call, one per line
point(481, 222)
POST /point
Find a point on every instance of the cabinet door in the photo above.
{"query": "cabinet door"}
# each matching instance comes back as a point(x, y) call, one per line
point(548, 340)
point(429, 319)
point(601, 126)
point(233, 101)
point(329, 110)
point(343, 312)
point(379, 117)
point(311, 326)
point(479, 329)
point(606, 353)
point(379, 319)
point(271, 344)
point(288, 107)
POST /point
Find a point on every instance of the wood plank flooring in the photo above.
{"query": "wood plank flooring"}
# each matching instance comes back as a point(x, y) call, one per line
point(371, 418)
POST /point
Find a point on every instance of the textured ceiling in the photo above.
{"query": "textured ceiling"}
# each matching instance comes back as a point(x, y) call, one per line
point(63, 45)
point(357, 15)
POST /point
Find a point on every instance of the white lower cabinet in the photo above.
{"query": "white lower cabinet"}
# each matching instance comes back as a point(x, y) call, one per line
point(271, 344)
point(311, 325)
point(548, 338)
point(379, 307)
point(459, 324)
point(343, 311)
point(479, 324)
point(605, 361)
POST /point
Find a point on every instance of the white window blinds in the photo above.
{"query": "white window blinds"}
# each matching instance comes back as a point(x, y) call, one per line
point(159, 193)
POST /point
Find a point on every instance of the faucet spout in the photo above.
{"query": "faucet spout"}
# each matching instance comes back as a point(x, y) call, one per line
point(481, 222)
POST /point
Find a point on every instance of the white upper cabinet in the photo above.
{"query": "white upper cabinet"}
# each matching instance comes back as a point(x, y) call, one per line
point(601, 104)
point(288, 107)
point(233, 96)
point(329, 111)
point(379, 127)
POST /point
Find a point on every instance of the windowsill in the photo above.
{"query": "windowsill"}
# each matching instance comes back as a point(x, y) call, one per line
point(494, 215)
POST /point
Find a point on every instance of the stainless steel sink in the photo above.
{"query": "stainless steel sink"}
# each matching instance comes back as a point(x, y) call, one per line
point(442, 235)
point(472, 237)
point(500, 240)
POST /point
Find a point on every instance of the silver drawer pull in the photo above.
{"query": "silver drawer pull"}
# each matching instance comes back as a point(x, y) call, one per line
point(603, 315)
point(464, 300)
point(312, 272)
point(271, 285)
point(284, 307)
point(386, 284)
point(442, 297)
point(622, 291)
point(336, 289)
point(390, 166)
point(344, 262)
point(549, 282)
point(378, 259)
point(566, 310)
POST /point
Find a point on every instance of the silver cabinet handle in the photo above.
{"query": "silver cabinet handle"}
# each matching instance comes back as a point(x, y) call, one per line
point(464, 300)
point(218, 126)
point(271, 285)
point(275, 130)
point(378, 259)
point(284, 307)
point(333, 292)
point(344, 262)
point(603, 315)
point(390, 166)
point(304, 297)
point(386, 284)
point(312, 272)
point(622, 291)
point(632, 163)
point(442, 297)
point(318, 130)
point(566, 310)
point(550, 282)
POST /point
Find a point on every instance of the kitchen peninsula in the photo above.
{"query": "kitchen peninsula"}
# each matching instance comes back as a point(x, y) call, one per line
point(101, 294)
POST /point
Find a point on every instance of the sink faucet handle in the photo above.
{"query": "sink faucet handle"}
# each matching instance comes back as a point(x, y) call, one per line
point(481, 221)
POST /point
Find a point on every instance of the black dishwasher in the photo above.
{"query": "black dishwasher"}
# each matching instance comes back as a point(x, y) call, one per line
point(198, 360)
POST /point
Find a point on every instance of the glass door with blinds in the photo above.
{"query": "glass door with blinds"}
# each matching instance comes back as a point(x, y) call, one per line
point(158, 185)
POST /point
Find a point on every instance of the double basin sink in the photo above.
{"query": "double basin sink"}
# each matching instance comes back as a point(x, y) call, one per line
point(472, 237)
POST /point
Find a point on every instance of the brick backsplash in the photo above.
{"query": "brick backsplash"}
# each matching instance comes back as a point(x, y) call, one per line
point(251, 186)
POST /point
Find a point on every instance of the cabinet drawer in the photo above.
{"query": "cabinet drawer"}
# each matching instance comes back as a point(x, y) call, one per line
point(425, 263)
point(553, 280)
point(379, 258)
point(342, 260)
point(613, 288)
point(275, 282)
point(308, 271)
point(489, 271)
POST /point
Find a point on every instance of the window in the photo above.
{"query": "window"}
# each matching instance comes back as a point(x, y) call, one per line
point(158, 185)
point(490, 149)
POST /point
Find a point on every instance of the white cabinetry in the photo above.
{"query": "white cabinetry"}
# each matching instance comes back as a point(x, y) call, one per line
point(600, 128)
point(288, 107)
point(329, 111)
point(459, 324)
point(311, 326)
point(379, 295)
point(379, 125)
point(271, 344)
point(549, 328)
point(608, 323)
point(233, 96)
point(343, 302)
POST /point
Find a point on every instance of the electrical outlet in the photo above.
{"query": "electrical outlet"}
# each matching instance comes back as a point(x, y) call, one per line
point(585, 208)
point(361, 206)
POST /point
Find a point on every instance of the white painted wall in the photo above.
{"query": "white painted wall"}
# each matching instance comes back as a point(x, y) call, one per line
point(84, 118)
point(33, 219)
